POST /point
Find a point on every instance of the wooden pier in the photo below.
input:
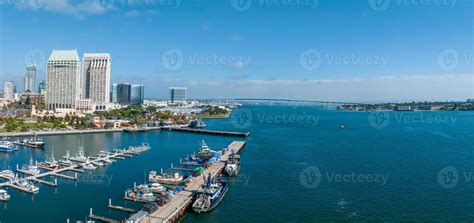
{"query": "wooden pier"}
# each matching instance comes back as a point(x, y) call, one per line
point(174, 210)
point(209, 132)
point(120, 208)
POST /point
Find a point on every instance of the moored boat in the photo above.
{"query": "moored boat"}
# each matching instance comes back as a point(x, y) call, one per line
point(210, 196)
point(4, 196)
point(25, 184)
point(232, 167)
point(166, 178)
point(30, 169)
point(7, 146)
point(7, 174)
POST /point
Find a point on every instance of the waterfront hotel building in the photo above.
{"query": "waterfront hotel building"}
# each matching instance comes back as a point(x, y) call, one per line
point(96, 77)
point(63, 79)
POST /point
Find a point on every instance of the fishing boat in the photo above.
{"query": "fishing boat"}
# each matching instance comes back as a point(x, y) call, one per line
point(205, 152)
point(197, 124)
point(210, 196)
point(79, 157)
point(87, 165)
point(193, 161)
point(7, 146)
point(34, 142)
point(97, 163)
point(4, 196)
point(52, 164)
point(165, 178)
point(232, 167)
point(106, 159)
point(139, 195)
point(65, 160)
point(30, 169)
point(7, 174)
point(157, 188)
point(25, 184)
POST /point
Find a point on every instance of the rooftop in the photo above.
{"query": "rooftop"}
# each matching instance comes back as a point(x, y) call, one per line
point(64, 55)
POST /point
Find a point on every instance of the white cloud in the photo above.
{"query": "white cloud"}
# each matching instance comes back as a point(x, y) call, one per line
point(67, 7)
point(371, 89)
point(136, 13)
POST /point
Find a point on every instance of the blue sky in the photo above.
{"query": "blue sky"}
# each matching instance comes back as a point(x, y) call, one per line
point(306, 49)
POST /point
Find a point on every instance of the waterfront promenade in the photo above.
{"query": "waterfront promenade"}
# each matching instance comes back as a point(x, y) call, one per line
point(174, 210)
point(130, 130)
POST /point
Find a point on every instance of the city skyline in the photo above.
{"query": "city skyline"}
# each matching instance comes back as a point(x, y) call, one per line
point(319, 62)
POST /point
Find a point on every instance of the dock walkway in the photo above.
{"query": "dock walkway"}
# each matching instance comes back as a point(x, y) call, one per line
point(176, 208)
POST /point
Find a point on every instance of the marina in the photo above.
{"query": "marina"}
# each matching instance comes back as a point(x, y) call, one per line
point(33, 173)
point(176, 208)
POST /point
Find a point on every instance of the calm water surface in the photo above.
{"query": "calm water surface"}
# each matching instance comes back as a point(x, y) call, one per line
point(298, 166)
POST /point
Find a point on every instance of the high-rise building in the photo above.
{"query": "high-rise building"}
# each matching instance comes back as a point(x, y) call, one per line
point(137, 94)
point(96, 77)
point(177, 95)
point(123, 93)
point(29, 81)
point(9, 90)
point(63, 79)
point(114, 93)
point(42, 88)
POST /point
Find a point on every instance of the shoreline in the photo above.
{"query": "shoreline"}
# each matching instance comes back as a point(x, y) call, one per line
point(71, 132)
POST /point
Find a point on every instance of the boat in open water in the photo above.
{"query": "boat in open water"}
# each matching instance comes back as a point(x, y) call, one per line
point(4, 196)
point(210, 195)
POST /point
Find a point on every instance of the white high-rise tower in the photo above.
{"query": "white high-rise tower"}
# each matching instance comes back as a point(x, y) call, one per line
point(63, 79)
point(30, 79)
point(96, 77)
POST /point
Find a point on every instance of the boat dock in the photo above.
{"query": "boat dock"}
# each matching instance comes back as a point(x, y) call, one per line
point(120, 208)
point(174, 210)
point(57, 172)
point(209, 132)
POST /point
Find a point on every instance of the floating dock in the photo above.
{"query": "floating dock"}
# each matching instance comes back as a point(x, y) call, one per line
point(174, 210)
point(209, 132)
point(57, 173)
